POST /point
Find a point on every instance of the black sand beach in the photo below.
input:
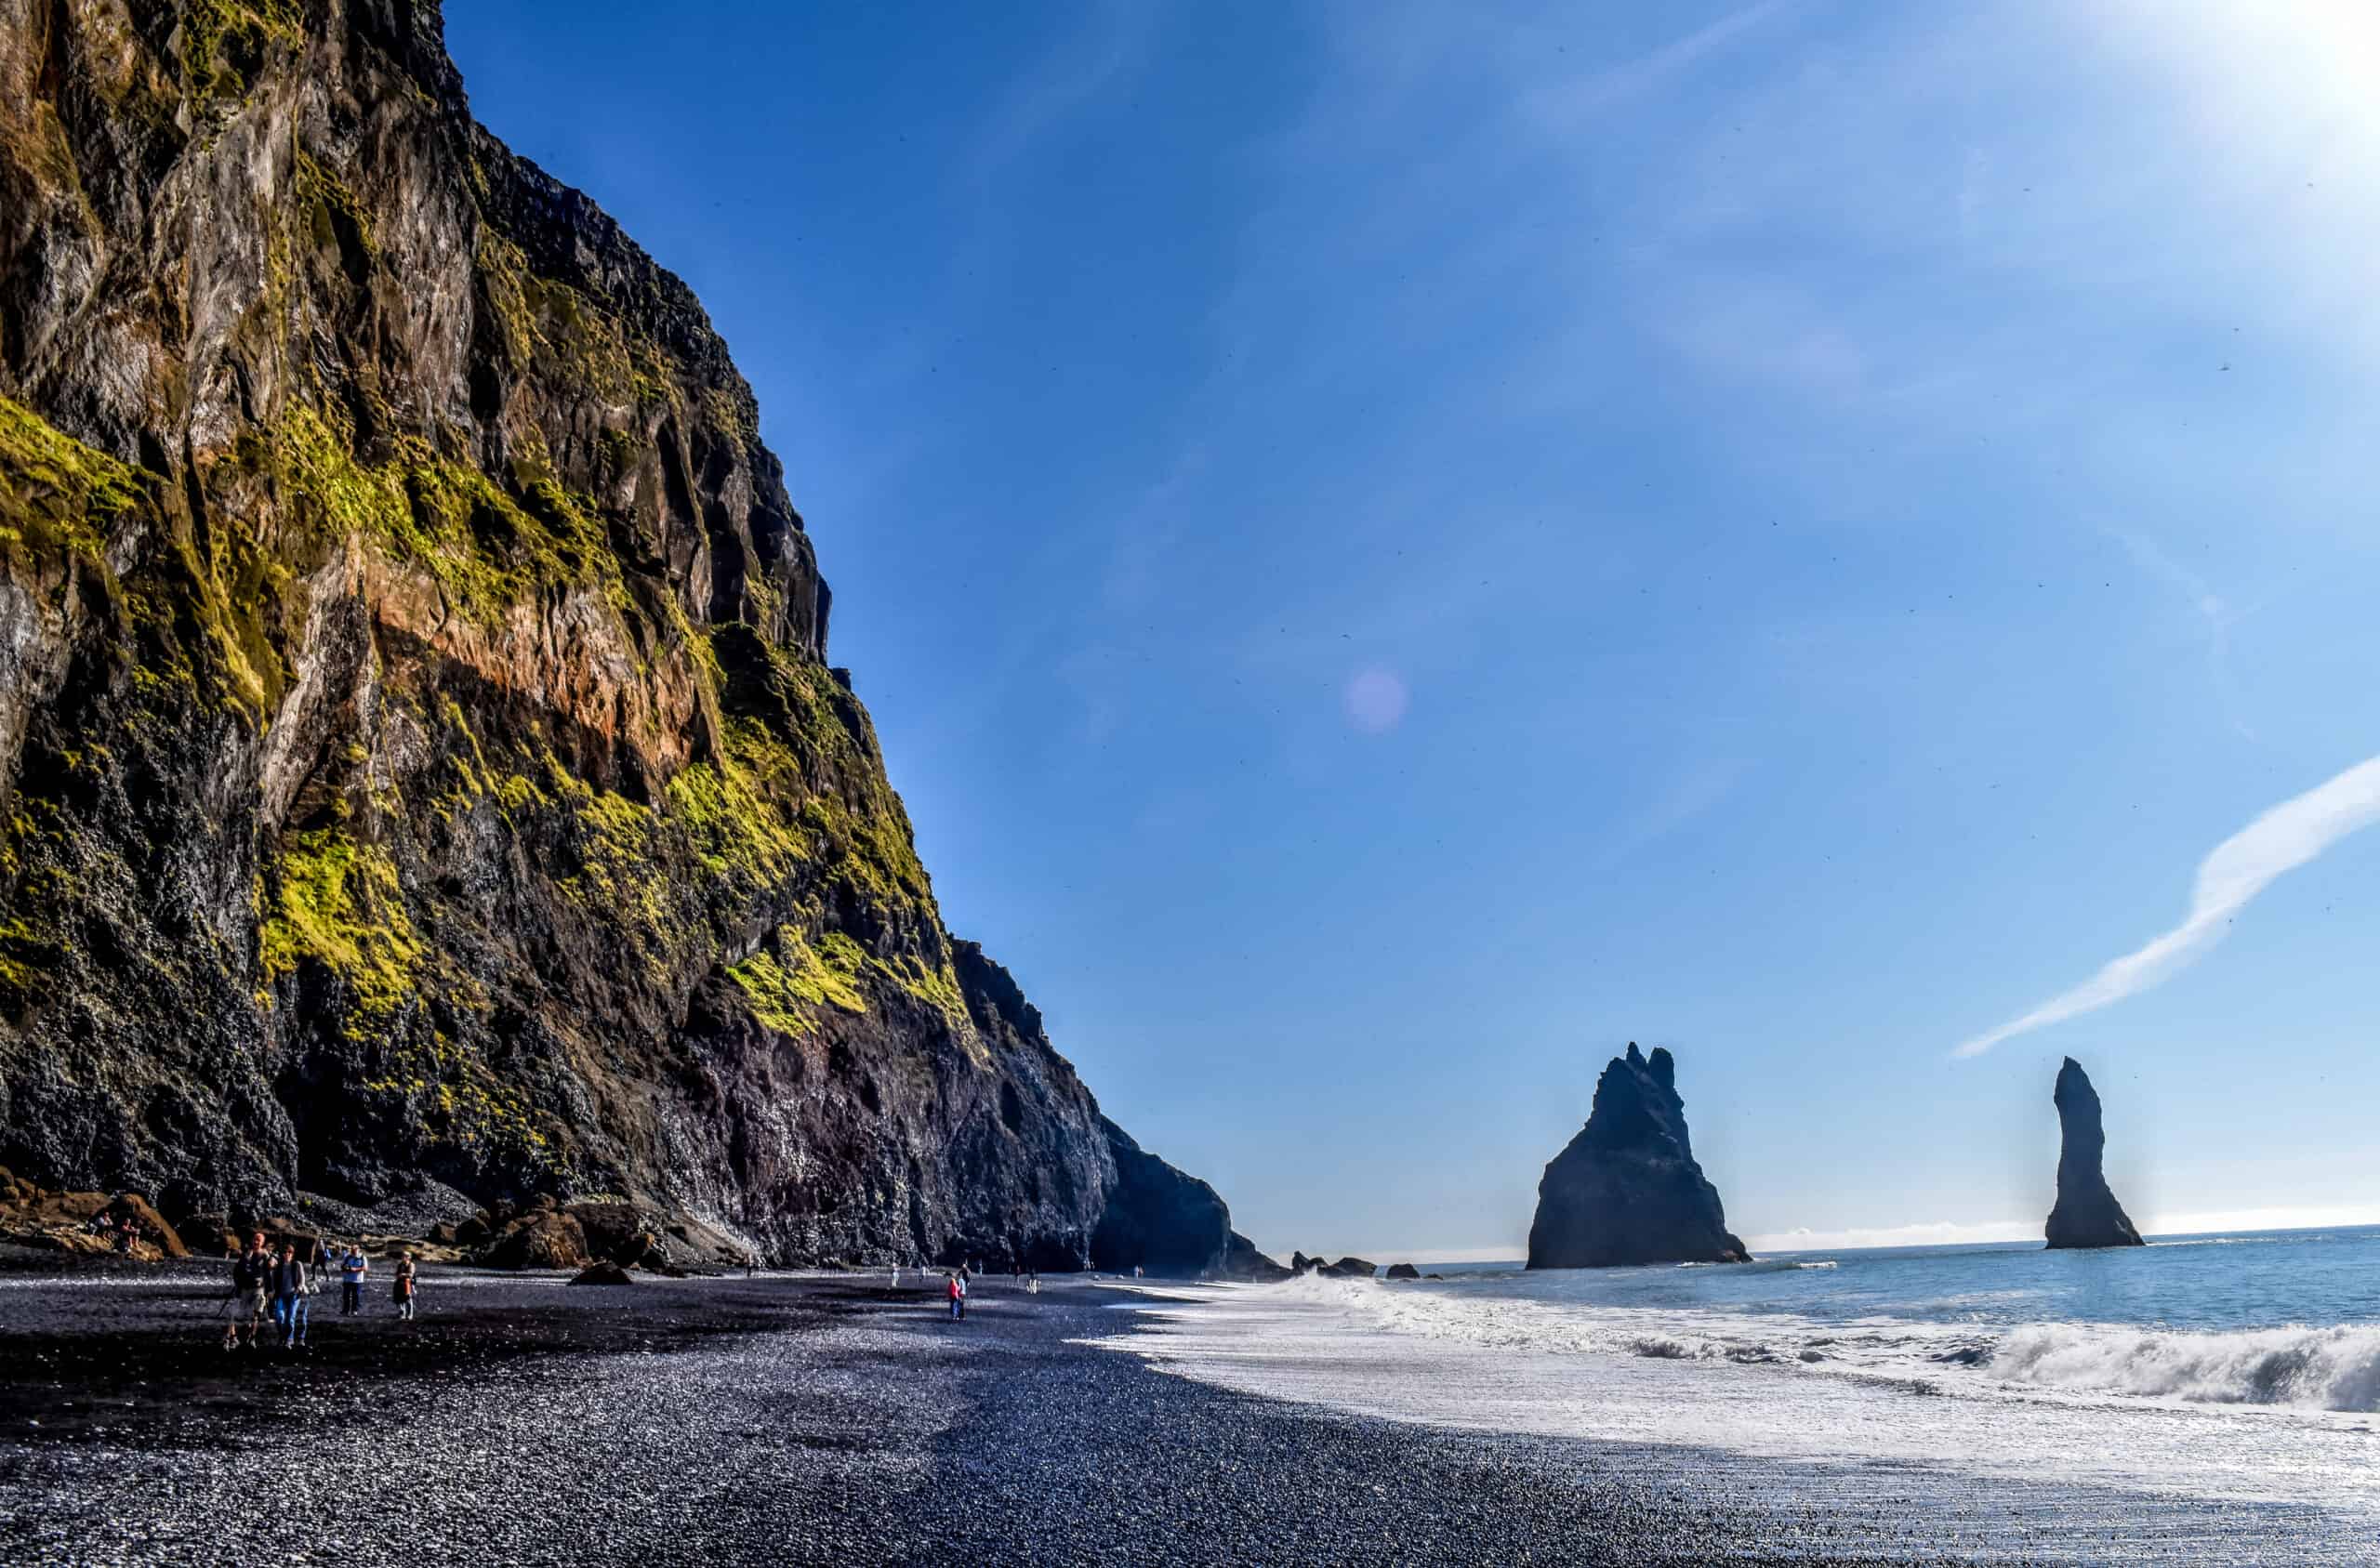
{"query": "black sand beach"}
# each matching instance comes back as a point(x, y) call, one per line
point(834, 1419)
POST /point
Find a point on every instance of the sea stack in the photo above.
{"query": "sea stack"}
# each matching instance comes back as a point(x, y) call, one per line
point(1627, 1190)
point(2087, 1212)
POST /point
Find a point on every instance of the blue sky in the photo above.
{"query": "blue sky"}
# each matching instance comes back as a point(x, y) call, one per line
point(1394, 548)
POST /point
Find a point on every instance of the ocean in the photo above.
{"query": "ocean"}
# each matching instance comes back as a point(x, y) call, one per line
point(2213, 1370)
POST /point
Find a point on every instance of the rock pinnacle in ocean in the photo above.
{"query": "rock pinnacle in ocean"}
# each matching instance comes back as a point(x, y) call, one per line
point(2087, 1212)
point(1627, 1189)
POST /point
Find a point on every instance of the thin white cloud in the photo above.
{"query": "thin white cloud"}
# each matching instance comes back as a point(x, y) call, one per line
point(1943, 1233)
point(2283, 839)
point(1563, 107)
point(2218, 616)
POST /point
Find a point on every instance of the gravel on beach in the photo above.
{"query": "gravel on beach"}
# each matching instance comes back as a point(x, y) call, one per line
point(808, 1419)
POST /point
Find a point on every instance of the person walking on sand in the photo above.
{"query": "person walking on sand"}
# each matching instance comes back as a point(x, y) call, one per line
point(352, 1269)
point(957, 1297)
point(404, 1286)
point(289, 1297)
point(251, 1277)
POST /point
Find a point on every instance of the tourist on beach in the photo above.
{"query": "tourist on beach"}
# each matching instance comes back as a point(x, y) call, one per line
point(404, 1286)
point(958, 1296)
point(352, 1268)
point(289, 1297)
point(251, 1275)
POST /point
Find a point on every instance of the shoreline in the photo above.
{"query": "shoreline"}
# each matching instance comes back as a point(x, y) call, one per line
point(830, 1418)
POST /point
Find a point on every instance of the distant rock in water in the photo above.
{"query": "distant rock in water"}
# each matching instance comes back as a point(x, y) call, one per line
point(1627, 1190)
point(2087, 1212)
point(1349, 1268)
point(1402, 1271)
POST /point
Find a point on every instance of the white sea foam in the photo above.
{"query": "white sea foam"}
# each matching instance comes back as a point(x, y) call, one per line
point(2311, 1369)
point(2304, 1368)
point(2256, 1417)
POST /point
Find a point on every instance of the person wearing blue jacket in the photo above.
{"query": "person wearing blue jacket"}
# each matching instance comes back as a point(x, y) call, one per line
point(289, 1297)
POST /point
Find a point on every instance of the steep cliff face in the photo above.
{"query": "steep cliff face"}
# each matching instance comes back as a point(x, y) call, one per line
point(1627, 1189)
point(2086, 1213)
point(420, 778)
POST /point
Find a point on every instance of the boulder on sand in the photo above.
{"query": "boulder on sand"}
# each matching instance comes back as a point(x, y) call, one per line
point(2087, 1213)
point(539, 1239)
point(1627, 1189)
point(84, 1222)
point(603, 1273)
point(150, 1223)
point(618, 1234)
point(1402, 1271)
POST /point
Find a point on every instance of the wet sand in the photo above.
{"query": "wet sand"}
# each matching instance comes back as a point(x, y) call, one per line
point(818, 1419)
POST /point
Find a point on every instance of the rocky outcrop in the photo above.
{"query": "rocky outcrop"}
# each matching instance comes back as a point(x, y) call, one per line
point(91, 1223)
point(2086, 1214)
point(1627, 1189)
point(1164, 1222)
point(1243, 1264)
point(422, 786)
point(1402, 1272)
point(603, 1273)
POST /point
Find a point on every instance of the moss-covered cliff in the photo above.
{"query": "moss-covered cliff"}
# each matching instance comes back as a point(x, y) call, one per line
point(420, 778)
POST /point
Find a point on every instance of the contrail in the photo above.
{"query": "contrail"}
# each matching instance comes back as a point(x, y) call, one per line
point(2282, 840)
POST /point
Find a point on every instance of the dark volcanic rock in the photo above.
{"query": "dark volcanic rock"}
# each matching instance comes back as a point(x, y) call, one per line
point(1166, 1223)
point(1349, 1268)
point(1244, 1263)
point(603, 1273)
point(2086, 1214)
point(422, 781)
point(1300, 1262)
point(540, 1240)
point(1402, 1271)
point(1627, 1189)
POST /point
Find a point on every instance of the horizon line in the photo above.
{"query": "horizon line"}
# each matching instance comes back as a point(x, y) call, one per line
point(1879, 1238)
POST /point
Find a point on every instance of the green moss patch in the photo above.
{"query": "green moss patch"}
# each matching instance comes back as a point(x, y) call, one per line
point(337, 902)
point(788, 983)
point(225, 43)
point(487, 548)
point(56, 495)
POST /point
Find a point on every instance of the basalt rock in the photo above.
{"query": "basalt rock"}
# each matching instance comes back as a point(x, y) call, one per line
point(91, 1223)
point(2086, 1214)
point(603, 1273)
point(1166, 1223)
point(1245, 1265)
point(1402, 1271)
point(1627, 1189)
point(538, 1240)
point(1349, 1268)
point(422, 786)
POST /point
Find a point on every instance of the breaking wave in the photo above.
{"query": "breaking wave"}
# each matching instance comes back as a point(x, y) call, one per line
point(2306, 1368)
point(2301, 1368)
